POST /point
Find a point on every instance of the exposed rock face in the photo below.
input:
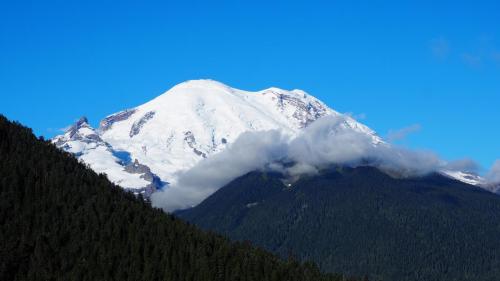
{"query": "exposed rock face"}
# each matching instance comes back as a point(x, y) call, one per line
point(136, 127)
point(188, 123)
point(193, 121)
point(146, 174)
point(191, 142)
point(80, 131)
point(85, 143)
point(107, 122)
point(305, 112)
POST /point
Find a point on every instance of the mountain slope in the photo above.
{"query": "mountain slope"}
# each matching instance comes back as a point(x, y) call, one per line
point(362, 221)
point(85, 143)
point(188, 123)
point(59, 220)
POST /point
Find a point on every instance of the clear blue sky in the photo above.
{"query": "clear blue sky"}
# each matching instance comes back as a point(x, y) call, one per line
point(430, 65)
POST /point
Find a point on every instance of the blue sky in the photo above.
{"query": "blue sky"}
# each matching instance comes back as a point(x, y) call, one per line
point(425, 71)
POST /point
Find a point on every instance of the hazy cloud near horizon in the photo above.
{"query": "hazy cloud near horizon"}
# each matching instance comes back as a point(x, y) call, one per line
point(250, 151)
point(325, 142)
point(493, 175)
point(478, 53)
point(464, 165)
point(395, 135)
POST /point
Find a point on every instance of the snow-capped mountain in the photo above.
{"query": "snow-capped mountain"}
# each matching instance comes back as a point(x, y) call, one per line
point(466, 177)
point(144, 147)
point(472, 179)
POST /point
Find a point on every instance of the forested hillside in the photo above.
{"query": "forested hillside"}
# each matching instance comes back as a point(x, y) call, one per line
point(362, 221)
point(59, 220)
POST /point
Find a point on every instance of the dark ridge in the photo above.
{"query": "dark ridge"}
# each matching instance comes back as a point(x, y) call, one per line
point(59, 220)
point(362, 221)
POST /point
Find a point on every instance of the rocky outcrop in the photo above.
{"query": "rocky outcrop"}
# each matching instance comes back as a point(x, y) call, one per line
point(155, 182)
point(298, 107)
point(137, 126)
point(191, 142)
point(107, 122)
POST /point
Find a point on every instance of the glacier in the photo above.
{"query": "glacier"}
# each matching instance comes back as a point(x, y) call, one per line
point(145, 148)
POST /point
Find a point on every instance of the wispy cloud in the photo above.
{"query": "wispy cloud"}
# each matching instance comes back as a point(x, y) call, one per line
point(325, 142)
point(494, 173)
point(464, 165)
point(395, 135)
point(440, 47)
point(64, 129)
point(480, 53)
point(250, 151)
point(58, 130)
point(495, 55)
point(472, 60)
point(357, 116)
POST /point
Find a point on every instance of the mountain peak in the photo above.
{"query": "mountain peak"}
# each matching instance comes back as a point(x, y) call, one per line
point(190, 122)
point(208, 88)
point(201, 88)
point(200, 84)
point(82, 121)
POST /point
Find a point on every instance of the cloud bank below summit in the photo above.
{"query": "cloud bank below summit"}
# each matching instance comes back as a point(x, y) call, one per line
point(250, 151)
point(324, 143)
point(493, 175)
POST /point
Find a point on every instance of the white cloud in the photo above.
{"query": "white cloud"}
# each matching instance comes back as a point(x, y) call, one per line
point(493, 175)
point(472, 60)
point(395, 135)
point(64, 129)
point(495, 56)
point(250, 151)
point(328, 141)
point(440, 47)
point(325, 142)
point(357, 116)
point(464, 165)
